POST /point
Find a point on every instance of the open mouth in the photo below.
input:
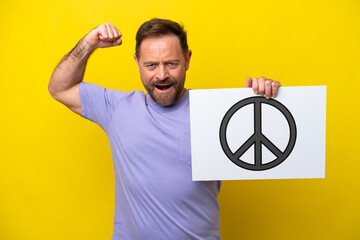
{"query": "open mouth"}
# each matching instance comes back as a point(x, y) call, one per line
point(163, 87)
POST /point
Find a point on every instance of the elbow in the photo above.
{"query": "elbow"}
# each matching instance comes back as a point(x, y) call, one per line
point(52, 91)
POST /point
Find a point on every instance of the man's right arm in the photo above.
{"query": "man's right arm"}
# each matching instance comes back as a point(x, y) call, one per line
point(65, 80)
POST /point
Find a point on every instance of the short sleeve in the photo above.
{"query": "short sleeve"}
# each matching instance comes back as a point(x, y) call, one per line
point(98, 103)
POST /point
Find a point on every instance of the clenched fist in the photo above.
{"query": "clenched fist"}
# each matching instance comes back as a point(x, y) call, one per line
point(103, 36)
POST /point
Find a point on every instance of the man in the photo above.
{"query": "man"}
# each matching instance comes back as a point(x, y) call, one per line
point(149, 134)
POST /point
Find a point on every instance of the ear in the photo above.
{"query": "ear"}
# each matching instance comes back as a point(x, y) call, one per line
point(137, 61)
point(187, 60)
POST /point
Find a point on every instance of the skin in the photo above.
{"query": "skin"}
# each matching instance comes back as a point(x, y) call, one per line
point(263, 86)
point(162, 66)
point(65, 80)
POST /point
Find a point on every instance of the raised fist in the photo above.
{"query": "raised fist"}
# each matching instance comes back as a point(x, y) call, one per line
point(103, 36)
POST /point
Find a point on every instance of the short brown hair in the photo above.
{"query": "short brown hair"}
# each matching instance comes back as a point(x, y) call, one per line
point(160, 27)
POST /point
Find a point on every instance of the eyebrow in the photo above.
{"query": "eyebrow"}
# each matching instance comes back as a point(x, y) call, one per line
point(173, 60)
point(149, 62)
point(168, 61)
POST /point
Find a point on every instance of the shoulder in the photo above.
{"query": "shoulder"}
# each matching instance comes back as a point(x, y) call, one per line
point(111, 96)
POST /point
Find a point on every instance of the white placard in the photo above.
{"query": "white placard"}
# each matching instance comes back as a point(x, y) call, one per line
point(238, 135)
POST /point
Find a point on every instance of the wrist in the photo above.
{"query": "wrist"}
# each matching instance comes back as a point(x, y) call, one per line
point(82, 50)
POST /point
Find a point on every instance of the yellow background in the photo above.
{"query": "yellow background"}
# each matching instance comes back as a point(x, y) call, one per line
point(56, 174)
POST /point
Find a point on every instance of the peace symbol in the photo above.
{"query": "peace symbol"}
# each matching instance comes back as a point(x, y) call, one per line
point(257, 138)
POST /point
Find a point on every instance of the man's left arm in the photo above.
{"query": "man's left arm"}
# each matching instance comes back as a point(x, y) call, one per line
point(263, 86)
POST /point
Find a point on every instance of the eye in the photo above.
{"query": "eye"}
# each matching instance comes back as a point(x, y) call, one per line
point(150, 65)
point(172, 64)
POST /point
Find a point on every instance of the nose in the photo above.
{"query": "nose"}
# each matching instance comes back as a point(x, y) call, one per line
point(162, 72)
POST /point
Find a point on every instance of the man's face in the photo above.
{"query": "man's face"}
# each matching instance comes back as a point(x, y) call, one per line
point(162, 66)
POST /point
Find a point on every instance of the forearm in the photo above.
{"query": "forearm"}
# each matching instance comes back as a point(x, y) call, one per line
point(70, 71)
point(64, 82)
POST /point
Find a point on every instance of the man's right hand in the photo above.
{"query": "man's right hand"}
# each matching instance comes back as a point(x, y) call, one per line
point(65, 80)
point(103, 36)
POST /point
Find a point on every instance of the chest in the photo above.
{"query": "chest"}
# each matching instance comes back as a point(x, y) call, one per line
point(152, 151)
point(140, 134)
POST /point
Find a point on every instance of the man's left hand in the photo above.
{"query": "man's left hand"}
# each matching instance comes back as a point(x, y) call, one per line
point(263, 86)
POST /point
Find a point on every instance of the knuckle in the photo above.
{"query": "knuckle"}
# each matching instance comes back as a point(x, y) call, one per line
point(103, 27)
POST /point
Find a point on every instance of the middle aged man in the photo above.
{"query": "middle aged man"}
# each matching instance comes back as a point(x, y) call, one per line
point(149, 134)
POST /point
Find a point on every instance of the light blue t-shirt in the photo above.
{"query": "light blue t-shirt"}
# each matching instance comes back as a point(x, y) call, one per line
point(155, 197)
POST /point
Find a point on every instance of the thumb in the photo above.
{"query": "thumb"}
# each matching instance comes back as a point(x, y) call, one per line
point(117, 42)
point(248, 83)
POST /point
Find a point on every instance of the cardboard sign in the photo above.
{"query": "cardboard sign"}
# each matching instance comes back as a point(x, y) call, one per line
point(236, 134)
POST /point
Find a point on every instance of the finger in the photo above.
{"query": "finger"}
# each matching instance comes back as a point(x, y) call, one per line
point(268, 84)
point(248, 82)
point(103, 32)
point(255, 85)
point(119, 33)
point(114, 31)
point(275, 88)
point(262, 85)
point(109, 31)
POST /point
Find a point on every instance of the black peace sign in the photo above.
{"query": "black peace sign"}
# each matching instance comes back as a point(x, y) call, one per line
point(257, 138)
